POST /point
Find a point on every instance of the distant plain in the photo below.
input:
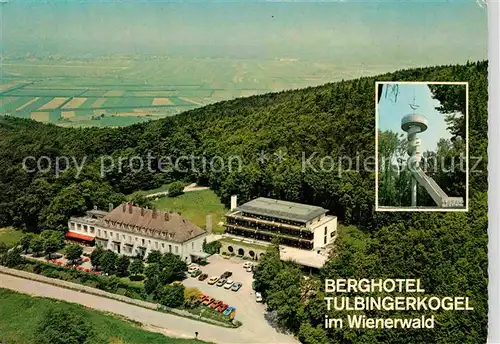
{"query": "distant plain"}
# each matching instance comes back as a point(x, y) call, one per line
point(123, 90)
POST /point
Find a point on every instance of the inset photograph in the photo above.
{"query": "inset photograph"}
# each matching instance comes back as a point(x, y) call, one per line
point(421, 143)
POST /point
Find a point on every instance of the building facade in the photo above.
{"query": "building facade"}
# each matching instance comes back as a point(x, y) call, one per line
point(305, 232)
point(132, 231)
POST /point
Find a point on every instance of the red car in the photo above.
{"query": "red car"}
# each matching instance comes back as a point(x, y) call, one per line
point(208, 301)
point(216, 304)
point(222, 308)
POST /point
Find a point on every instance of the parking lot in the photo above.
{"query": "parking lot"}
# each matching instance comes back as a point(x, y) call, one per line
point(249, 312)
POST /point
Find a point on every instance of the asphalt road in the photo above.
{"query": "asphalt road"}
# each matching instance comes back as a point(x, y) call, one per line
point(173, 326)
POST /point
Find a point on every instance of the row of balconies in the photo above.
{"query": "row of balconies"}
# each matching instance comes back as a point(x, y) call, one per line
point(309, 237)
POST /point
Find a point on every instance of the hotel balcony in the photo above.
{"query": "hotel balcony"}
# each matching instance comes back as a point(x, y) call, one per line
point(264, 221)
point(263, 235)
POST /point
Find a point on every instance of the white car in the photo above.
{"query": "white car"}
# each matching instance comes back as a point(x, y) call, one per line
point(193, 268)
point(229, 284)
point(258, 297)
point(249, 268)
point(247, 264)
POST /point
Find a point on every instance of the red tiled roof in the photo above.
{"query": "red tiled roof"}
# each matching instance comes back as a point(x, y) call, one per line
point(73, 235)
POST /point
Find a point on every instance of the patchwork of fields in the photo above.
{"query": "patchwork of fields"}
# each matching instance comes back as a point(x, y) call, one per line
point(122, 90)
point(111, 105)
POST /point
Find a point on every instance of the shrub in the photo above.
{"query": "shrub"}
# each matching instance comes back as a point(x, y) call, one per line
point(175, 189)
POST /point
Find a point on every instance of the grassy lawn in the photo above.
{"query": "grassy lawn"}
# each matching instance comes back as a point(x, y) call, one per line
point(20, 314)
point(195, 206)
point(9, 236)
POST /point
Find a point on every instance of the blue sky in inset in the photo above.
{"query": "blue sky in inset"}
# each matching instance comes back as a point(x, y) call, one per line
point(390, 113)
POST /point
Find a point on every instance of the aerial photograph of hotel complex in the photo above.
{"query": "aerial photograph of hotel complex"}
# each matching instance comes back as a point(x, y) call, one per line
point(305, 141)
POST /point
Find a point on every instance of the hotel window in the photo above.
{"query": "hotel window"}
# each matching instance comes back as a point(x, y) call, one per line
point(325, 239)
point(156, 244)
point(79, 226)
point(98, 232)
point(176, 249)
point(162, 245)
point(192, 245)
point(105, 234)
point(92, 230)
point(110, 234)
point(149, 242)
point(170, 248)
point(326, 230)
point(129, 238)
point(143, 242)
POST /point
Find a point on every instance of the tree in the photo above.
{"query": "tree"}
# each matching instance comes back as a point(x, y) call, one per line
point(175, 189)
point(154, 256)
point(136, 267)
point(172, 295)
point(143, 202)
point(150, 285)
point(73, 252)
point(212, 248)
point(12, 258)
point(61, 326)
point(152, 270)
point(96, 255)
point(312, 335)
point(453, 103)
point(191, 296)
point(173, 268)
point(122, 265)
point(284, 296)
point(108, 262)
point(52, 243)
point(267, 269)
point(25, 241)
point(36, 245)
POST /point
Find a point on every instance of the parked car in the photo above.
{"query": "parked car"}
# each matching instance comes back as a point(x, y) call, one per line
point(193, 268)
point(195, 273)
point(229, 284)
point(250, 268)
point(258, 297)
point(213, 280)
point(222, 308)
point(247, 264)
point(221, 282)
point(236, 286)
point(202, 277)
point(229, 310)
point(202, 298)
point(226, 274)
point(216, 304)
point(208, 301)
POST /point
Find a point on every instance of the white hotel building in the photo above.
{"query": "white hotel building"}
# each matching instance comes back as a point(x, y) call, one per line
point(131, 230)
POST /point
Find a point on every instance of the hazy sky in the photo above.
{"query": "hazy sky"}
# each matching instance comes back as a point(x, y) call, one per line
point(369, 32)
point(390, 113)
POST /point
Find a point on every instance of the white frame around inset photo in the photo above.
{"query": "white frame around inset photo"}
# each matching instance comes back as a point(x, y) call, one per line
point(410, 208)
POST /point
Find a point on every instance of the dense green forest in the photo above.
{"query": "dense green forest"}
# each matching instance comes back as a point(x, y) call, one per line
point(446, 250)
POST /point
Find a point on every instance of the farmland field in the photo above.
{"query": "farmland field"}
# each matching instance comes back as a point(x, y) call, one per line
point(123, 90)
